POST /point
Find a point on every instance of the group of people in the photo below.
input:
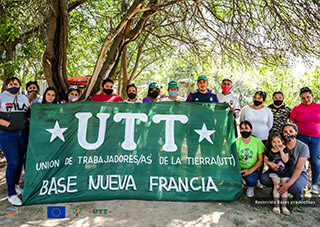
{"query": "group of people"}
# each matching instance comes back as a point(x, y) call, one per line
point(281, 138)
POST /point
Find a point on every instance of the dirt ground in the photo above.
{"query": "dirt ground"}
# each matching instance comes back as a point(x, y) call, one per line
point(241, 212)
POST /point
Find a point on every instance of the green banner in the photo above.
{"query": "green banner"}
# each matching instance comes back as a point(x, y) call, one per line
point(152, 151)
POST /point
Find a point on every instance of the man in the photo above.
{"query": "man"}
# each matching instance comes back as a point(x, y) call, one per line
point(153, 93)
point(280, 111)
point(106, 94)
point(202, 94)
point(230, 98)
point(173, 90)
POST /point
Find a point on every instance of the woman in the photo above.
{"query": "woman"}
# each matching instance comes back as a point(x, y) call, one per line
point(73, 94)
point(14, 135)
point(153, 93)
point(260, 116)
point(50, 96)
point(307, 117)
point(132, 94)
point(173, 90)
point(250, 150)
point(33, 89)
point(298, 154)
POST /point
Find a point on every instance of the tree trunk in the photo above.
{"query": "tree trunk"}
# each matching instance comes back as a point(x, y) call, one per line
point(54, 58)
point(124, 70)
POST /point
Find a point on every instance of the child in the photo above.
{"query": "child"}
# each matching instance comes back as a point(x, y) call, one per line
point(277, 154)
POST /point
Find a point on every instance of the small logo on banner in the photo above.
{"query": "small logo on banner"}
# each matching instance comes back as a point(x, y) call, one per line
point(56, 212)
point(11, 211)
point(77, 210)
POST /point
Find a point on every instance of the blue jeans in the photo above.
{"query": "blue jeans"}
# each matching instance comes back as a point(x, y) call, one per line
point(252, 179)
point(14, 146)
point(314, 148)
point(296, 189)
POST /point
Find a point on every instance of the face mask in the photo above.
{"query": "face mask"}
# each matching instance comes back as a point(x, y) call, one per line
point(278, 102)
point(73, 99)
point(29, 92)
point(108, 91)
point(225, 90)
point(173, 93)
point(245, 134)
point(14, 90)
point(289, 137)
point(132, 95)
point(154, 94)
point(257, 103)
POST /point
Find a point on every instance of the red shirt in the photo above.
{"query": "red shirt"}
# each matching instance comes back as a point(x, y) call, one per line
point(107, 98)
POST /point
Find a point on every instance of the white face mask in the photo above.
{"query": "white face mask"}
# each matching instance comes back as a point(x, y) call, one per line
point(73, 99)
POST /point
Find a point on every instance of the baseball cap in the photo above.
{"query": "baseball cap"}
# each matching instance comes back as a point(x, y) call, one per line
point(173, 83)
point(154, 85)
point(202, 77)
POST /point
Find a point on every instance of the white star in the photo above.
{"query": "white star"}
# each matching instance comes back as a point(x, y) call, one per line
point(57, 132)
point(204, 133)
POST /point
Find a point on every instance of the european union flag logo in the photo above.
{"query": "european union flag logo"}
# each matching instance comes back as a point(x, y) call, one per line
point(56, 212)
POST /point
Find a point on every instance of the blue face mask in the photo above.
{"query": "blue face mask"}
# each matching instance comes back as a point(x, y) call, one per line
point(173, 93)
point(14, 90)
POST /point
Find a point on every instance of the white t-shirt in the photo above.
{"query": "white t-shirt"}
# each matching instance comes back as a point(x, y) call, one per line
point(179, 98)
point(232, 99)
point(261, 120)
point(138, 101)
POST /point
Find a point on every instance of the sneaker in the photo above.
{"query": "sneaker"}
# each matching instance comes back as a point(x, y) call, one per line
point(314, 189)
point(15, 200)
point(19, 191)
point(259, 185)
point(250, 192)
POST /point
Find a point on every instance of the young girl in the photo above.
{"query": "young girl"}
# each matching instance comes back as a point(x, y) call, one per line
point(277, 154)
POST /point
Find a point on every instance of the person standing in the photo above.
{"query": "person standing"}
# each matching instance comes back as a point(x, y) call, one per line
point(280, 111)
point(132, 94)
point(14, 134)
point(260, 116)
point(153, 93)
point(33, 89)
point(307, 117)
point(203, 93)
point(230, 98)
point(173, 90)
point(106, 94)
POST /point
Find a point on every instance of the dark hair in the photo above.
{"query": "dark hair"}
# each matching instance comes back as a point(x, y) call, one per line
point(46, 91)
point(32, 82)
point(262, 94)
point(107, 80)
point(277, 92)
point(293, 125)
point(72, 88)
point(304, 90)
point(12, 79)
point(227, 80)
point(245, 123)
point(131, 85)
point(269, 141)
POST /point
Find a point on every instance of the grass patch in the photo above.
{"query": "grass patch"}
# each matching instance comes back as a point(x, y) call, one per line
point(239, 222)
point(290, 219)
point(316, 215)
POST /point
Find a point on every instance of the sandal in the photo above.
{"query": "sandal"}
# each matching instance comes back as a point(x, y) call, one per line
point(276, 210)
point(285, 211)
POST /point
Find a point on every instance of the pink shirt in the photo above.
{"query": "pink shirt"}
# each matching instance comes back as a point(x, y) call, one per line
point(107, 98)
point(307, 119)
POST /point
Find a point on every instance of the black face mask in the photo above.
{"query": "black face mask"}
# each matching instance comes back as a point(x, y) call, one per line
point(245, 134)
point(154, 94)
point(278, 102)
point(108, 91)
point(257, 103)
point(132, 95)
point(289, 137)
point(14, 90)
